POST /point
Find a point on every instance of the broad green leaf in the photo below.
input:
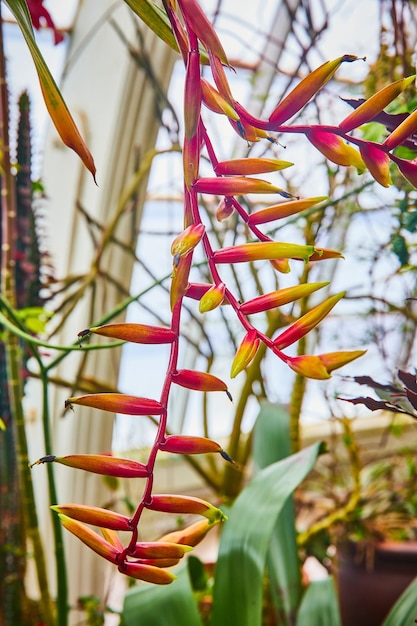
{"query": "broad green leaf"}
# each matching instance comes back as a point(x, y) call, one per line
point(245, 539)
point(320, 606)
point(57, 109)
point(272, 443)
point(404, 611)
point(170, 605)
point(155, 18)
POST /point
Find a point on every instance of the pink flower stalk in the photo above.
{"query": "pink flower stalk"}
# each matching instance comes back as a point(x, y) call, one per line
point(375, 104)
point(335, 148)
point(306, 323)
point(136, 333)
point(200, 381)
point(186, 241)
point(250, 166)
point(185, 505)
point(306, 89)
point(105, 464)
point(212, 298)
point(279, 298)
point(284, 209)
point(245, 352)
point(94, 515)
point(118, 403)
point(377, 161)
point(320, 367)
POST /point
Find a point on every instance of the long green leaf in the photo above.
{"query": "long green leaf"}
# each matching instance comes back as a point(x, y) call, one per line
point(155, 18)
point(404, 611)
point(171, 605)
point(272, 443)
point(54, 101)
point(237, 595)
point(320, 606)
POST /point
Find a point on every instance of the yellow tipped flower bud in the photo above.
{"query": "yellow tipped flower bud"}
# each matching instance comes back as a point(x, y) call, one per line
point(336, 149)
point(200, 381)
point(245, 353)
point(265, 250)
point(160, 550)
point(279, 298)
point(235, 186)
point(186, 241)
point(136, 333)
point(378, 162)
point(118, 403)
point(215, 102)
point(402, 132)
point(105, 464)
point(185, 505)
point(91, 539)
point(250, 166)
point(94, 515)
point(284, 209)
point(319, 367)
point(192, 535)
point(212, 298)
point(148, 573)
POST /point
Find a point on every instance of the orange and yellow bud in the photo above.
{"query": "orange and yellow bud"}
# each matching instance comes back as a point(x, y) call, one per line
point(377, 161)
point(245, 353)
point(319, 367)
point(279, 298)
point(91, 539)
point(260, 251)
point(100, 464)
point(250, 166)
point(192, 96)
point(284, 209)
point(192, 535)
point(214, 101)
point(199, 381)
point(407, 168)
point(212, 298)
point(185, 505)
point(335, 149)
point(306, 323)
point(160, 550)
point(147, 573)
point(281, 265)
point(94, 515)
point(235, 186)
point(112, 537)
point(179, 282)
point(306, 89)
point(199, 23)
point(186, 241)
point(118, 403)
point(375, 104)
point(402, 132)
point(188, 444)
point(135, 333)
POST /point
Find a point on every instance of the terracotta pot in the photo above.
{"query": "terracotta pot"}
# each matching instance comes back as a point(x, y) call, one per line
point(371, 577)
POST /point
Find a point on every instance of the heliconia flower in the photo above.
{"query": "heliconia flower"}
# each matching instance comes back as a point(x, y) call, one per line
point(192, 535)
point(250, 166)
point(118, 403)
point(319, 367)
point(236, 185)
point(91, 539)
point(200, 381)
point(306, 89)
point(375, 104)
point(112, 537)
point(405, 129)
point(188, 444)
point(219, 76)
point(214, 101)
point(264, 250)
point(307, 322)
point(335, 148)
point(407, 168)
point(105, 464)
point(136, 333)
point(224, 209)
point(279, 298)
point(179, 282)
point(203, 29)
point(192, 96)
point(245, 353)
point(185, 505)
point(187, 240)
point(212, 298)
point(94, 515)
point(284, 209)
point(377, 161)
point(160, 550)
point(148, 573)
point(191, 159)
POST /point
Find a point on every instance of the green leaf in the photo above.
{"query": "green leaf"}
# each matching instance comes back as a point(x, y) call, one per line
point(320, 606)
point(272, 443)
point(155, 18)
point(54, 101)
point(245, 539)
point(404, 610)
point(168, 605)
